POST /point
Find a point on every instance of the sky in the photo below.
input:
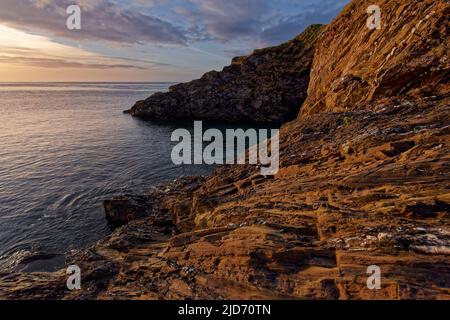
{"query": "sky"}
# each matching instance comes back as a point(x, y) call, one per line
point(144, 40)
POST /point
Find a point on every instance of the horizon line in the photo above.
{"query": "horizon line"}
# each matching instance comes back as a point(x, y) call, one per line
point(131, 82)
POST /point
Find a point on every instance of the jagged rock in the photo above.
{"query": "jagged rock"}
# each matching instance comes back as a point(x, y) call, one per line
point(409, 55)
point(265, 87)
point(121, 210)
point(124, 209)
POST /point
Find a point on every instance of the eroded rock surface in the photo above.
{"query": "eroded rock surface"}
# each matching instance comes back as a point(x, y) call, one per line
point(364, 180)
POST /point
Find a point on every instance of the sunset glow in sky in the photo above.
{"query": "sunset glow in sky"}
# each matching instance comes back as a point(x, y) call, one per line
point(144, 40)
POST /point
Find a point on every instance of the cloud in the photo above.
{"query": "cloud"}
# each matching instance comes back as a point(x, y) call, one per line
point(61, 63)
point(313, 13)
point(101, 20)
point(189, 36)
point(226, 20)
point(256, 22)
point(20, 48)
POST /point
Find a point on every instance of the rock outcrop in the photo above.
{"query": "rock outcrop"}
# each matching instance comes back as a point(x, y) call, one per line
point(364, 181)
point(408, 56)
point(268, 86)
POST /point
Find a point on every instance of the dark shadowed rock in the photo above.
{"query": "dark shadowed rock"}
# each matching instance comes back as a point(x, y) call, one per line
point(122, 210)
point(268, 86)
point(363, 181)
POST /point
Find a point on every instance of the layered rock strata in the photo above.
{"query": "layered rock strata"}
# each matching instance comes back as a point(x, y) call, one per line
point(268, 86)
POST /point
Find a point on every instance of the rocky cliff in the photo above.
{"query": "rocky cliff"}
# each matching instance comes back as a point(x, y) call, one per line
point(364, 181)
point(268, 86)
point(408, 56)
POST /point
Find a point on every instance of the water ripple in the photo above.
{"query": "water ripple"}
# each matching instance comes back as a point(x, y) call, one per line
point(63, 149)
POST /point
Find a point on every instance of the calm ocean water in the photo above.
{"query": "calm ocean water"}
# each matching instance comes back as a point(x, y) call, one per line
point(63, 149)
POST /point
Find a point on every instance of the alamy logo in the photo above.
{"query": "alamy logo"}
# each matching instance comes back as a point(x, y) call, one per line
point(74, 20)
point(231, 150)
point(374, 20)
point(374, 281)
point(74, 280)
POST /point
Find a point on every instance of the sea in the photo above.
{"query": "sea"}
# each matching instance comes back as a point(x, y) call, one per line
point(64, 148)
